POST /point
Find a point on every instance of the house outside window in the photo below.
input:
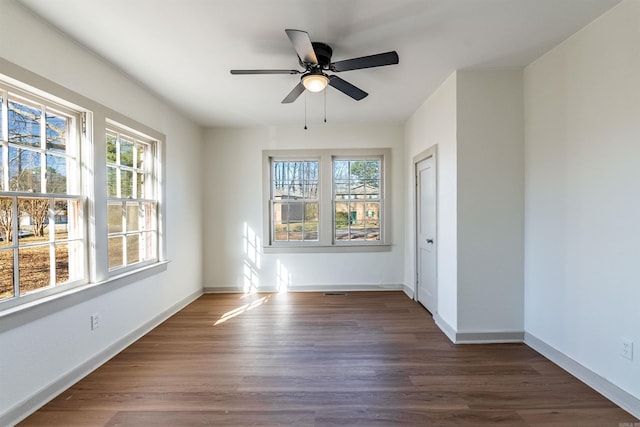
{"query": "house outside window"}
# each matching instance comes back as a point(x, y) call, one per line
point(325, 199)
point(357, 199)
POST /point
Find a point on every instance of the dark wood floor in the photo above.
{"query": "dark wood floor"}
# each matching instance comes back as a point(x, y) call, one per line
point(305, 359)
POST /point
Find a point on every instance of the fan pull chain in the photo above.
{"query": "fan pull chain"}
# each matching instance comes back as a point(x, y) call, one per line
point(305, 110)
point(325, 105)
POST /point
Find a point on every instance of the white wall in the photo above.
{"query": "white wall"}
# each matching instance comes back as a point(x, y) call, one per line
point(435, 123)
point(233, 203)
point(38, 348)
point(490, 201)
point(582, 112)
point(475, 119)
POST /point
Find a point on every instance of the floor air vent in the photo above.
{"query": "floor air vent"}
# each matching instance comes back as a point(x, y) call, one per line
point(335, 294)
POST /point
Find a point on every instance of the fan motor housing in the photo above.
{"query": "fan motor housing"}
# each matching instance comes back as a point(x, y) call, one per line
point(323, 53)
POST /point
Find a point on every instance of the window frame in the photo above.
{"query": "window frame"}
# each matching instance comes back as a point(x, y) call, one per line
point(326, 241)
point(151, 160)
point(74, 190)
point(91, 183)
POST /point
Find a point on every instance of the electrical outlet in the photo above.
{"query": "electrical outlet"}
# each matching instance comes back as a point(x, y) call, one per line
point(626, 350)
point(95, 321)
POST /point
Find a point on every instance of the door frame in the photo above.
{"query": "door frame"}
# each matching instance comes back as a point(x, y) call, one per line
point(424, 155)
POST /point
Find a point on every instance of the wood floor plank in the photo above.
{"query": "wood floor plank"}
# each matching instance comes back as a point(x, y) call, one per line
point(367, 358)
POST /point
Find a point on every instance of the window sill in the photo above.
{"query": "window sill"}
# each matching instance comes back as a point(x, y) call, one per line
point(326, 249)
point(32, 310)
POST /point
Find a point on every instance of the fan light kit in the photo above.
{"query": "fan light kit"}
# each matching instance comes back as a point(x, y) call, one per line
point(315, 58)
point(315, 82)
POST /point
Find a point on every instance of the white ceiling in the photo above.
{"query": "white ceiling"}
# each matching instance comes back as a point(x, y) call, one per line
point(183, 49)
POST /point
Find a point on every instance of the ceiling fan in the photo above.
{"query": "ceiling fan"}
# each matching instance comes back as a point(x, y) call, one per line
point(315, 57)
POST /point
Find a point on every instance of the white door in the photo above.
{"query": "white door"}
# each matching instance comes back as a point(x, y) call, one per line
point(426, 233)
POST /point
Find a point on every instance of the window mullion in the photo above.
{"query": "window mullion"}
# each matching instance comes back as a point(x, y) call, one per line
point(51, 245)
point(326, 199)
point(14, 243)
point(43, 149)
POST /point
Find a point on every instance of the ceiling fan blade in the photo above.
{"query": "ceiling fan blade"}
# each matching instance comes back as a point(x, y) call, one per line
point(265, 72)
point(302, 44)
point(378, 60)
point(294, 94)
point(347, 88)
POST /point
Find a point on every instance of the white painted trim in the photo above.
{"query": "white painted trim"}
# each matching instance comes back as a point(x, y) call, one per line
point(489, 337)
point(409, 291)
point(311, 288)
point(477, 337)
point(603, 386)
point(26, 407)
point(445, 327)
point(424, 155)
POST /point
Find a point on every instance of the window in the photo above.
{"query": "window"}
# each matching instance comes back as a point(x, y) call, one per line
point(325, 199)
point(60, 230)
point(357, 199)
point(295, 201)
point(132, 199)
point(42, 233)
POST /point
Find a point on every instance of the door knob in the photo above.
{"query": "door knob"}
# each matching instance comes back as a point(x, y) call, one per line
point(430, 241)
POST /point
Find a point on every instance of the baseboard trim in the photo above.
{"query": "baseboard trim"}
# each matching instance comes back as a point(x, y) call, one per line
point(445, 327)
point(625, 400)
point(314, 288)
point(489, 337)
point(409, 291)
point(23, 409)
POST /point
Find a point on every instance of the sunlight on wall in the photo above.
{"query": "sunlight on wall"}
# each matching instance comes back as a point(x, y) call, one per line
point(283, 278)
point(252, 258)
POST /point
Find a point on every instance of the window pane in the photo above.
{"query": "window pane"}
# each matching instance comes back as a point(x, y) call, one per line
point(140, 185)
point(34, 220)
point(34, 267)
point(148, 216)
point(56, 174)
point(61, 219)
point(115, 248)
point(132, 217)
point(342, 220)
point(372, 169)
point(311, 190)
point(24, 170)
point(111, 148)
point(76, 260)
point(6, 274)
point(24, 124)
point(126, 189)
point(112, 182)
point(341, 190)
point(114, 218)
point(280, 227)
point(6, 221)
point(62, 262)
point(295, 180)
point(133, 249)
point(372, 189)
point(57, 129)
point(126, 151)
point(372, 224)
point(311, 222)
point(2, 171)
point(340, 170)
point(71, 220)
point(2, 138)
point(148, 246)
point(140, 156)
